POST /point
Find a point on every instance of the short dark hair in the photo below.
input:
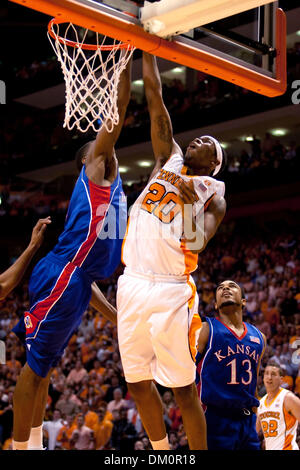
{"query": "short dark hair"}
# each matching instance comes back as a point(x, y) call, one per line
point(80, 154)
point(274, 364)
point(241, 287)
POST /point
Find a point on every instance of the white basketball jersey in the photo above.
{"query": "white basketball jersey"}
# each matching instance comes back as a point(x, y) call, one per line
point(279, 426)
point(154, 242)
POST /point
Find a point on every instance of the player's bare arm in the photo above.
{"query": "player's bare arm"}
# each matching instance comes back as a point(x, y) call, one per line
point(203, 337)
point(162, 139)
point(101, 151)
point(13, 275)
point(292, 405)
point(258, 425)
point(100, 303)
point(203, 229)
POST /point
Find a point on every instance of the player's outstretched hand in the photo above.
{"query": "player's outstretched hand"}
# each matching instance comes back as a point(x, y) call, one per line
point(38, 232)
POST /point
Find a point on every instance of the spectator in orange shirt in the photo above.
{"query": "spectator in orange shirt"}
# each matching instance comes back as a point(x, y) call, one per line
point(272, 314)
point(76, 375)
point(85, 348)
point(13, 364)
point(94, 397)
point(93, 378)
point(100, 370)
point(84, 389)
point(65, 433)
point(102, 430)
point(108, 415)
point(287, 380)
point(7, 444)
point(90, 417)
point(13, 367)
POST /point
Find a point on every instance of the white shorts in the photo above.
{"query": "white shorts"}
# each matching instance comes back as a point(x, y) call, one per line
point(158, 327)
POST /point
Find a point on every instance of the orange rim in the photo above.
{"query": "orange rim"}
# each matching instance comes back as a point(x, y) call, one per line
point(175, 51)
point(88, 47)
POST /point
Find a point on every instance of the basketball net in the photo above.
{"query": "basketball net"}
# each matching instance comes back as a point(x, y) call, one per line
point(92, 73)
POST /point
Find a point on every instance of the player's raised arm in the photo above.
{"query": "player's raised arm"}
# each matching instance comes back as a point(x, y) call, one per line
point(105, 141)
point(161, 126)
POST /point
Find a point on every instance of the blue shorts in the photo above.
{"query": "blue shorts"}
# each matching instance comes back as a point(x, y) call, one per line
point(231, 431)
point(59, 294)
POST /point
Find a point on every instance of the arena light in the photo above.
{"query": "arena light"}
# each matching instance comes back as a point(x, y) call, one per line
point(139, 82)
point(225, 145)
point(145, 163)
point(249, 138)
point(123, 169)
point(298, 33)
point(177, 70)
point(278, 132)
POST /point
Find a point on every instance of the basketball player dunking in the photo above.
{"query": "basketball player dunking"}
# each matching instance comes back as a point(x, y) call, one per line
point(62, 284)
point(156, 297)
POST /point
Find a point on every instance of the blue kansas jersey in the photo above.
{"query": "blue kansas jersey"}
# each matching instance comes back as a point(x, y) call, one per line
point(89, 249)
point(227, 370)
point(95, 227)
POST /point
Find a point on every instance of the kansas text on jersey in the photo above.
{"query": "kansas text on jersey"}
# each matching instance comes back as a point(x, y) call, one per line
point(227, 369)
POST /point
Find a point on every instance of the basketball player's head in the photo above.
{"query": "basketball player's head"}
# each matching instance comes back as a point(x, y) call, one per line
point(81, 155)
point(229, 294)
point(272, 377)
point(205, 155)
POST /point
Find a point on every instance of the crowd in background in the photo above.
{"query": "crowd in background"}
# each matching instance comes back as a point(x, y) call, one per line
point(89, 406)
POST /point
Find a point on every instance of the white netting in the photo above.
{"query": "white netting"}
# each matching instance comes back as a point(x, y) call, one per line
point(92, 73)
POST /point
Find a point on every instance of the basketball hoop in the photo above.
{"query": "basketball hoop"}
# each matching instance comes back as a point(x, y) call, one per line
point(92, 65)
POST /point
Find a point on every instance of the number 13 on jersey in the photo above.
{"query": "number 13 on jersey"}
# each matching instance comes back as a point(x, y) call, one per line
point(234, 380)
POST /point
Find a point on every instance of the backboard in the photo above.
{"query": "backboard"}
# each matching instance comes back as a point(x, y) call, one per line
point(247, 49)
